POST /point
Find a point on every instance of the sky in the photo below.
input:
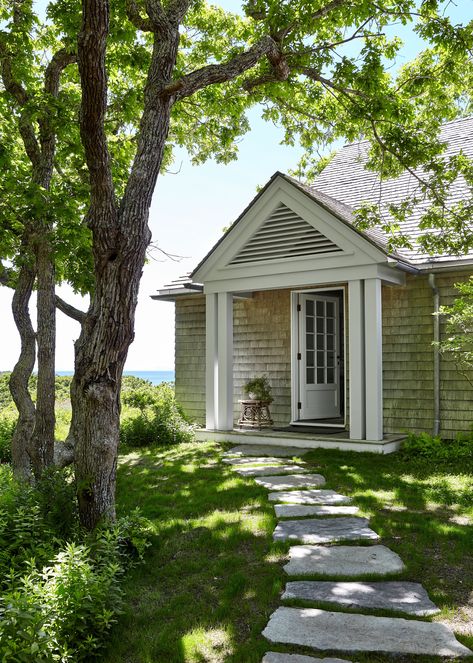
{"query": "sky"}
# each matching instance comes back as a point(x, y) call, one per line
point(189, 211)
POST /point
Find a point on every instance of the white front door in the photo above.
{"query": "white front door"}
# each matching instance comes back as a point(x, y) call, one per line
point(319, 357)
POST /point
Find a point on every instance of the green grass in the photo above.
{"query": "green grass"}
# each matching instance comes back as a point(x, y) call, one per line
point(213, 575)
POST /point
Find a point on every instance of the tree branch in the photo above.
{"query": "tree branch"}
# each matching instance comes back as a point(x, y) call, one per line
point(59, 62)
point(134, 16)
point(69, 310)
point(226, 71)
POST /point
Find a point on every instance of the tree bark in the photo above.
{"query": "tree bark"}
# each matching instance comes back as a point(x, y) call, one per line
point(43, 438)
point(21, 443)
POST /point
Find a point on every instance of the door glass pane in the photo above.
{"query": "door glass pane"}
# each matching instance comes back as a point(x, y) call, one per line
point(330, 326)
point(310, 357)
point(330, 359)
point(309, 307)
point(320, 309)
point(320, 375)
point(320, 325)
point(309, 324)
point(330, 375)
point(310, 375)
point(330, 310)
point(330, 342)
point(320, 342)
point(310, 341)
point(321, 359)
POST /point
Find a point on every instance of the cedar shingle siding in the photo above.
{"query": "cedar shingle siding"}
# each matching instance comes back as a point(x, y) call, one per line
point(262, 338)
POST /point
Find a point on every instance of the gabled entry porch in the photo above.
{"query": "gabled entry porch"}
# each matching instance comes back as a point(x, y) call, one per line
point(335, 359)
point(294, 291)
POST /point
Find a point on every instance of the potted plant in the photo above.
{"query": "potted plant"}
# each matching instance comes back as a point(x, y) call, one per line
point(258, 389)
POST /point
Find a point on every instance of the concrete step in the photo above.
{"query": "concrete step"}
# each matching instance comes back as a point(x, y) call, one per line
point(266, 450)
point(275, 657)
point(269, 470)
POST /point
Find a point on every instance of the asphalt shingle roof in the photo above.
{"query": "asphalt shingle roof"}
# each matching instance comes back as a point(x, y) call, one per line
point(347, 182)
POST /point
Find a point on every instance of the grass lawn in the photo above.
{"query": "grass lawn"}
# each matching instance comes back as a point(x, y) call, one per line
point(213, 575)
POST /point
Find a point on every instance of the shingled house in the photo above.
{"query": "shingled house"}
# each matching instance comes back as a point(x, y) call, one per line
point(342, 327)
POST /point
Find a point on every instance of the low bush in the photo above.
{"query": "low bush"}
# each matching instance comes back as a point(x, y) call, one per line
point(423, 445)
point(152, 416)
point(61, 587)
point(7, 426)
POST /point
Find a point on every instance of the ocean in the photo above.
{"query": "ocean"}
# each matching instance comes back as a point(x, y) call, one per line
point(155, 377)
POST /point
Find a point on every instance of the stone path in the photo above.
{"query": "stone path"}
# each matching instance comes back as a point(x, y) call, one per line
point(327, 530)
point(309, 497)
point(268, 470)
point(291, 481)
point(323, 630)
point(303, 510)
point(265, 450)
point(408, 597)
point(274, 657)
point(343, 561)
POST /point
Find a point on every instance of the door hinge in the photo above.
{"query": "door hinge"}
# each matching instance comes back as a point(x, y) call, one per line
point(299, 405)
point(299, 307)
point(299, 356)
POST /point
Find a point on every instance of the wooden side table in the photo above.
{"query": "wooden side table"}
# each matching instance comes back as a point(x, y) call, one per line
point(255, 414)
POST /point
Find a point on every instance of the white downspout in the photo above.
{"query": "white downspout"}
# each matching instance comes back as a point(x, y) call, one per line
point(436, 298)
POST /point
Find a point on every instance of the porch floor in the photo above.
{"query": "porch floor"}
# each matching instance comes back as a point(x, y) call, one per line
point(340, 440)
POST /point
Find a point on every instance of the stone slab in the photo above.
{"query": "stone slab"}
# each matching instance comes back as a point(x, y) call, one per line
point(275, 657)
point(263, 471)
point(291, 481)
point(255, 460)
point(402, 596)
point(324, 530)
point(266, 450)
point(337, 631)
point(309, 497)
point(303, 510)
point(342, 560)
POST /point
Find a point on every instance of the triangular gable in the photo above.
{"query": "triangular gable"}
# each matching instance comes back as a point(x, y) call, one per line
point(285, 231)
point(284, 234)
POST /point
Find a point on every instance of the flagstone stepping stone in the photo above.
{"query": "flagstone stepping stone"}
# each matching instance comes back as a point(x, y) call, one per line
point(255, 460)
point(269, 470)
point(266, 450)
point(275, 657)
point(302, 510)
point(408, 597)
point(324, 530)
point(291, 481)
point(338, 631)
point(309, 497)
point(342, 560)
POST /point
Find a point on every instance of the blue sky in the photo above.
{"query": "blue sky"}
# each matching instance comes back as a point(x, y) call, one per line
point(189, 210)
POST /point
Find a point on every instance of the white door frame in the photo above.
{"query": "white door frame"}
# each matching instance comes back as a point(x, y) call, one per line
point(295, 364)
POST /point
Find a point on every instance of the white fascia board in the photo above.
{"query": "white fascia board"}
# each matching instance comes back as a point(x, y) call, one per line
point(309, 278)
point(356, 249)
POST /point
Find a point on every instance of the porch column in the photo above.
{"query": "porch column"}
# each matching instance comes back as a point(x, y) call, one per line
point(356, 331)
point(225, 361)
point(373, 360)
point(211, 361)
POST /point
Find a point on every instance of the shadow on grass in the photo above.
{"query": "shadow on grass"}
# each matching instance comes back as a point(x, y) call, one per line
point(213, 575)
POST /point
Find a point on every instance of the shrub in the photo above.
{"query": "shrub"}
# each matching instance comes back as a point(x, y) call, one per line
point(153, 417)
point(423, 445)
point(61, 586)
point(7, 427)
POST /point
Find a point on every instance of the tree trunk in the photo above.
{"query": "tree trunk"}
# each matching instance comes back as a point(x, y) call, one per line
point(21, 443)
point(43, 439)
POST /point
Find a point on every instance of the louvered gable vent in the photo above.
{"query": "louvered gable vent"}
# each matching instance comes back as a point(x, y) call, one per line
point(284, 234)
